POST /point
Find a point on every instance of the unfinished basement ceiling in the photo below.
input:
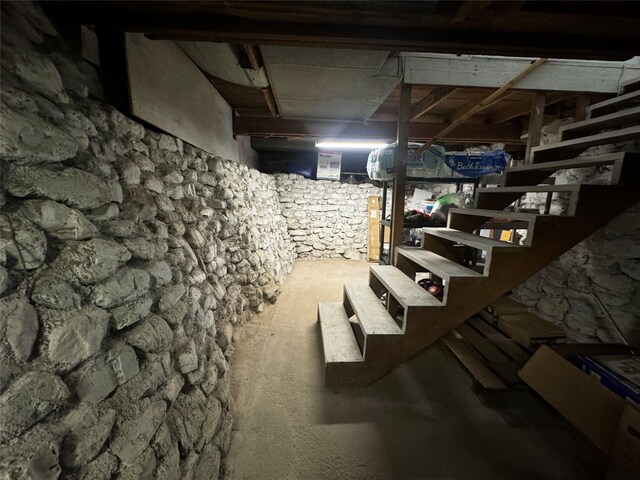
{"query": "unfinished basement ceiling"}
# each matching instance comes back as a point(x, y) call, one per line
point(327, 83)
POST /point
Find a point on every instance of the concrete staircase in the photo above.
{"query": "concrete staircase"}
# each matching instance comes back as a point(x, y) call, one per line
point(364, 338)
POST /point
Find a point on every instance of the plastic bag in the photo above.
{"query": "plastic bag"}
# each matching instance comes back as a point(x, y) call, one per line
point(445, 202)
point(476, 162)
point(380, 165)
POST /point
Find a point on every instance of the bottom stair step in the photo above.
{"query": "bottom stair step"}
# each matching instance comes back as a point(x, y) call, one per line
point(338, 340)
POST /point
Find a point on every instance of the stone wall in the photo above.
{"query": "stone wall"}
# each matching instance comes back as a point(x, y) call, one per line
point(593, 290)
point(325, 219)
point(128, 259)
point(329, 219)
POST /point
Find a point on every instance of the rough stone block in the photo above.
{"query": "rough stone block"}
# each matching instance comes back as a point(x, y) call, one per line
point(124, 286)
point(97, 379)
point(71, 338)
point(58, 220)
point(131, 312)
point(29, 399)
point(70, 186)
point(134, 434)
point(153, 335)
point(92, 260)
point(20, 325)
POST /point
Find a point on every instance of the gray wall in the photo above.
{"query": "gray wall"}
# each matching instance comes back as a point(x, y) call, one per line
point(127, 261)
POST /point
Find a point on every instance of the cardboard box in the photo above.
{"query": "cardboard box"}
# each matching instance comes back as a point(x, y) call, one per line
point(625, 456)
point(592, 408)
point(529, 330)
point(619, 373)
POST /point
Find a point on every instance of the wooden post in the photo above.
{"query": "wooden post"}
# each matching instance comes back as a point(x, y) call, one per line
point(400, 165)
point(582, 102)
point(535, 124)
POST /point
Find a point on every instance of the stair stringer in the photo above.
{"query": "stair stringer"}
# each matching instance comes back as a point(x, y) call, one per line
point(507, 268)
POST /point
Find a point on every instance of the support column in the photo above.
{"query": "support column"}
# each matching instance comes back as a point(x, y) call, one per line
point(535, 123)
point(400, 165)
point(582, 102)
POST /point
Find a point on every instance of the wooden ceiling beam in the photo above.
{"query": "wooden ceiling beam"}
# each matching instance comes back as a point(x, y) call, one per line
point(524, 108)
point(418, 131)
point(432, 100)
point(461, 111)
point(528, 34)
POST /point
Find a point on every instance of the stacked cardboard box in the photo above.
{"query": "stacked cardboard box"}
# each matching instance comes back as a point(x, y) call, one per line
point(516, 322)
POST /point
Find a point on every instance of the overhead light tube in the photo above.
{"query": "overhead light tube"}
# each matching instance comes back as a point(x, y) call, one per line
point(349, 144)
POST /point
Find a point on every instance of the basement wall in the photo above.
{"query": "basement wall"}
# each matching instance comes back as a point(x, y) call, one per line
point(593, 290)
point(128, 260)
point(329, 219)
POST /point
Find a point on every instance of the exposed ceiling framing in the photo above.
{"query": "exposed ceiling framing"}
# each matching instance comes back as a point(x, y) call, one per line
point(445, 86)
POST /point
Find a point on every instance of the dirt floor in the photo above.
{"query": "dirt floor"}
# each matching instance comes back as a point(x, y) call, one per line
point(422, 421)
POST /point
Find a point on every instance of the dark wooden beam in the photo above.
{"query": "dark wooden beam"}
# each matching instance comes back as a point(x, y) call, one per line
point(400, 166)
point(435, 98)
point(418, 131)
point(527, 34)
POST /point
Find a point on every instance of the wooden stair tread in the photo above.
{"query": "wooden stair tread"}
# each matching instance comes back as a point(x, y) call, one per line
point(593, 125)
point(578, 145)
point(407, 292)
point(494, 214)
point(373, 318)
point(630, 85)
point(475, 241)
point(338, 340)
point(616, 103)
point(578, 162)
point(440, 266)
point(473, 362)
point(530, 189)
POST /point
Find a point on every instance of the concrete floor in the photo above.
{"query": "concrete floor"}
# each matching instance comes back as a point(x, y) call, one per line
point(422, 421)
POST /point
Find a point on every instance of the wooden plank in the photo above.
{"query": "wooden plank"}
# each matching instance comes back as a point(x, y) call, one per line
point(373, 228)
point(469, 239)
point(557, 75)
point(372, 316)
point(488, 350)
point(582, 102)
point(531, 189)
point(202, 118)
point(488, 100)
point(535, 124)
point(406, 292)
point(507, 346)
point(594, 125)
point(579, 145)
point(270, 101)
point(524, 108)
point(432, 100)
point(400, 167)
point(473, 362)
point(338, 340)
point(440, 266)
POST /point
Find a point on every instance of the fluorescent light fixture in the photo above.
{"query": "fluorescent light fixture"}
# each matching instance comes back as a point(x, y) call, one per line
point(351, 144)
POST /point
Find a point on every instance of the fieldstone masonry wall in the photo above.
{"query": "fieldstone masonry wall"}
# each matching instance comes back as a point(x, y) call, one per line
point(325, 219)
point(127, 258)
point(329, 219)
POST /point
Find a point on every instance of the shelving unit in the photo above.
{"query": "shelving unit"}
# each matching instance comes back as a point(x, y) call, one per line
point(384, 223)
